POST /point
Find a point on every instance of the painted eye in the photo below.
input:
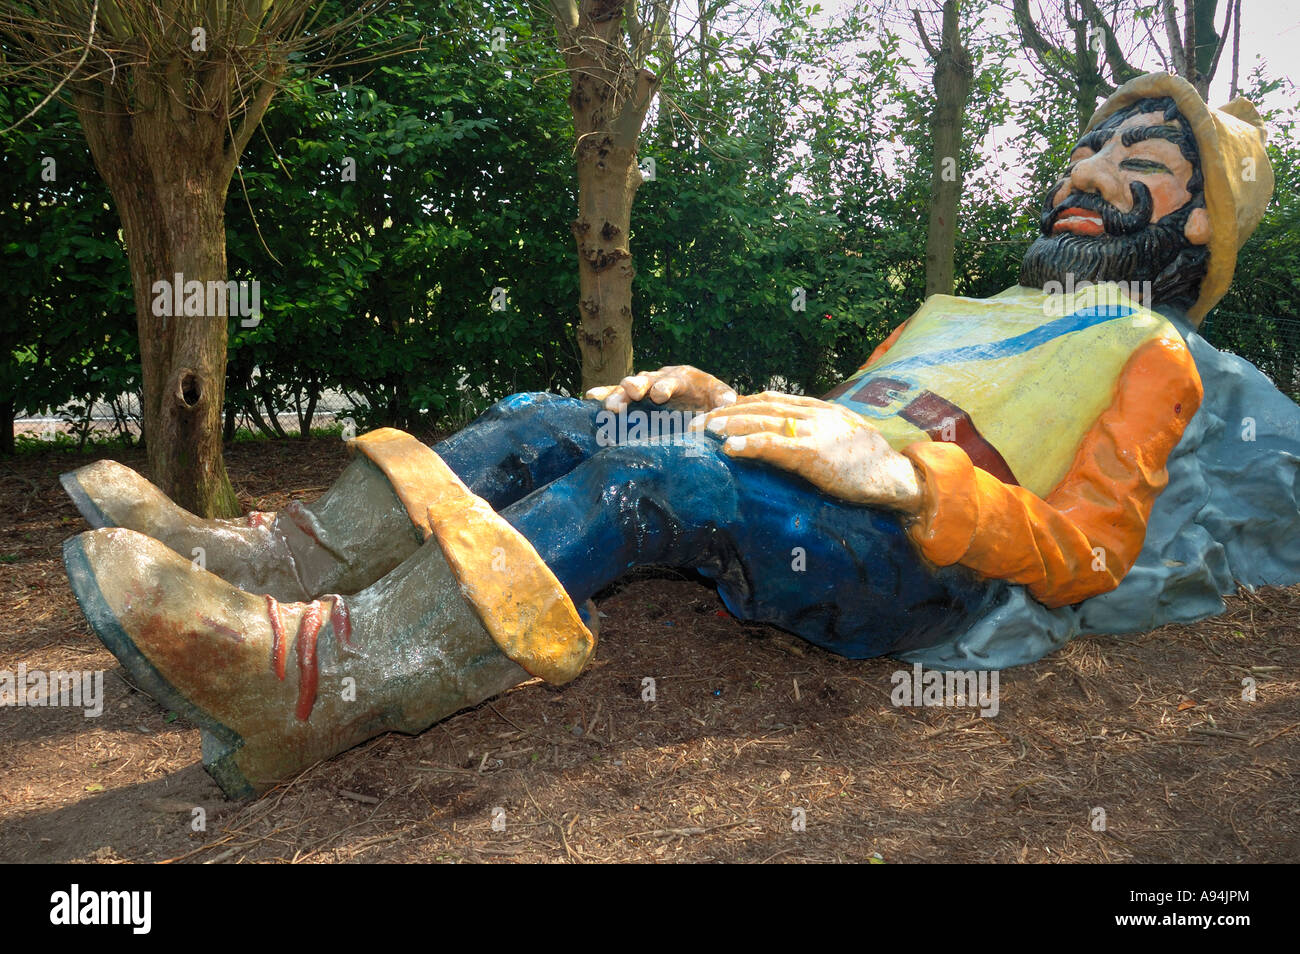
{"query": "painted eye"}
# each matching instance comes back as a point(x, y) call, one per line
point(1144, 166)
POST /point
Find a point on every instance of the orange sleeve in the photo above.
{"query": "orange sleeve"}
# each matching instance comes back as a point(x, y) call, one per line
point(885, 345)
point(1051, 545)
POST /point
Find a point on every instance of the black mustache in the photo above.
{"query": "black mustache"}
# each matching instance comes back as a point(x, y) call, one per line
point(1113, 220)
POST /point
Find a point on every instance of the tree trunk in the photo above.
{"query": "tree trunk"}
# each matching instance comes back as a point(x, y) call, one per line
point(7, 414)
point(182, 358)
point(1236, 50)
point(1086, 101)
point(609, 97)
point(952, 80)
point(171, 200)
point(608, 177)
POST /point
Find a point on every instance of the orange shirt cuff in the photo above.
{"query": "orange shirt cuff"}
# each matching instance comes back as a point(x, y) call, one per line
point(949, 516)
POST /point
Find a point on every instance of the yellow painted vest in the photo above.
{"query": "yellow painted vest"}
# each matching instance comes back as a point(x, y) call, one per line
point(1017, 380)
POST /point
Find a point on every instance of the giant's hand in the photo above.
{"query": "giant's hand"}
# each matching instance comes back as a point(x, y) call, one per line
point(688, 388)
point(828, 445)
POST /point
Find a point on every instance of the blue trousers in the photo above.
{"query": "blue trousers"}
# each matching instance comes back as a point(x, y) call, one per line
point(842, 576)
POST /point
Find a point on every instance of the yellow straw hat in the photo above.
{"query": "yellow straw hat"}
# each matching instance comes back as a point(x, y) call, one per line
point(1238, 176)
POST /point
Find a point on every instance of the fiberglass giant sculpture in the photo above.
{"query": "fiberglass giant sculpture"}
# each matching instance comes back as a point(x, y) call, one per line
point(992, 469)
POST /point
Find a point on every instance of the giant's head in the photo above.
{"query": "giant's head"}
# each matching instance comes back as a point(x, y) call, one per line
point(1160, 189)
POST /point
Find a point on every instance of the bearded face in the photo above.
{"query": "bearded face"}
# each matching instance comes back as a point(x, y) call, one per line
point(1129, 209)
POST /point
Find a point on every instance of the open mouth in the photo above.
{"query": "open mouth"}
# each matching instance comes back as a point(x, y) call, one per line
point(1078, 221)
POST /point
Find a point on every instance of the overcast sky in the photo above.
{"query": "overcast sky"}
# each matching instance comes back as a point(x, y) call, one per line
point(1270, 32)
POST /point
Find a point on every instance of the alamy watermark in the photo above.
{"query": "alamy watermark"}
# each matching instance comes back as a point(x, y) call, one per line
point(73, 907)
point(1110, 296)
point(37, 688)
point(956, 688)
point(674, 426)
point(195, 299)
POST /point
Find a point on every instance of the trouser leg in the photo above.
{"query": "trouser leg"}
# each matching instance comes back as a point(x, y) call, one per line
point(521, 443)
point(842, 576)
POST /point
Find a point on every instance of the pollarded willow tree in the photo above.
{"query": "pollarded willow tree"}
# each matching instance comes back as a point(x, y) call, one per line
point(168, 93)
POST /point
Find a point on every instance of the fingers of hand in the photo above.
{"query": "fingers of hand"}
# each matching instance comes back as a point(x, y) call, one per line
point(764, 409)
point(735, 424)
point(665, 388)
point(681, 381)
point(775, 449)
point(722, 396)
point(777, 397)
point(636, 386)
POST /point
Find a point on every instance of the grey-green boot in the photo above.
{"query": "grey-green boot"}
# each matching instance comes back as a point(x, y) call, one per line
point(354, 534)
point(276, 687)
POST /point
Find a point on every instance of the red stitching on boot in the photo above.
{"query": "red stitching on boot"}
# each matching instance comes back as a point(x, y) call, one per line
point(308, 671)
point(341, 621)
point(278, 646)
point(301, 519)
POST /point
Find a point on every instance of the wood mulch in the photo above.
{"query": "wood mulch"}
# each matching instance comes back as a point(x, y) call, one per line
point(750, 731)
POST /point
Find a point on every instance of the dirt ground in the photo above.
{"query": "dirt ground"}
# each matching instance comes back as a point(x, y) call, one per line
point(748, 725)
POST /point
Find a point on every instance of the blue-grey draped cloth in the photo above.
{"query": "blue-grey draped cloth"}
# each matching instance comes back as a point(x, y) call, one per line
point(1230, 514)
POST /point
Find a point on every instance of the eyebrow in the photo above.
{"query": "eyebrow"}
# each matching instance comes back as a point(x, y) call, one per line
point(1098, 138)
point(1138, 134)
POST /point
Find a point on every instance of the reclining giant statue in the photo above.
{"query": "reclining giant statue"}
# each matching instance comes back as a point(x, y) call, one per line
point(994, 468)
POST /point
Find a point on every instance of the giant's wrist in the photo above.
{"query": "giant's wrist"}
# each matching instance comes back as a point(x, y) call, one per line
point(911, 499)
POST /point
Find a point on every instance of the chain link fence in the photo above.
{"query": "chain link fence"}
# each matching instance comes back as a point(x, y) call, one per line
point(1270, 344)
point(120, 418)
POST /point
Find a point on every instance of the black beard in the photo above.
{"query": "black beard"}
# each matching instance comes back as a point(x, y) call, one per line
point(1132, 249)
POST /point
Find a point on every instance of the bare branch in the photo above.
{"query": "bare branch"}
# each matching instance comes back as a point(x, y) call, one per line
point(1174, 35)
point(1223, 40)
point(253, 114)
point(1121, 71)
point(1049, 56)
point(925, 38)
point(90, 41)
point(1151, 38)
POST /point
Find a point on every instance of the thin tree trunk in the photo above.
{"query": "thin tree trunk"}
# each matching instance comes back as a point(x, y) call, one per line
point(702, 8)
point(7, 414)
point(1189, 47)
point(609, 98)
point(952, 80)
point(1236, 50)
point(608, 178)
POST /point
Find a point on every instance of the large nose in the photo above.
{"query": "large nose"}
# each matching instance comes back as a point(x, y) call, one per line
point(1098, 174)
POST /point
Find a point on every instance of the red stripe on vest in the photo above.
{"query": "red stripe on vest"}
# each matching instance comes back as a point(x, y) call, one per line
point(935, 415)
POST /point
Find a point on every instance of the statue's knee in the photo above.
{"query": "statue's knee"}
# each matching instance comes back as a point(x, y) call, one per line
point(524, 401)
point(538, 419)
point(687, 460)
point(645, 482)
point(528, 406)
